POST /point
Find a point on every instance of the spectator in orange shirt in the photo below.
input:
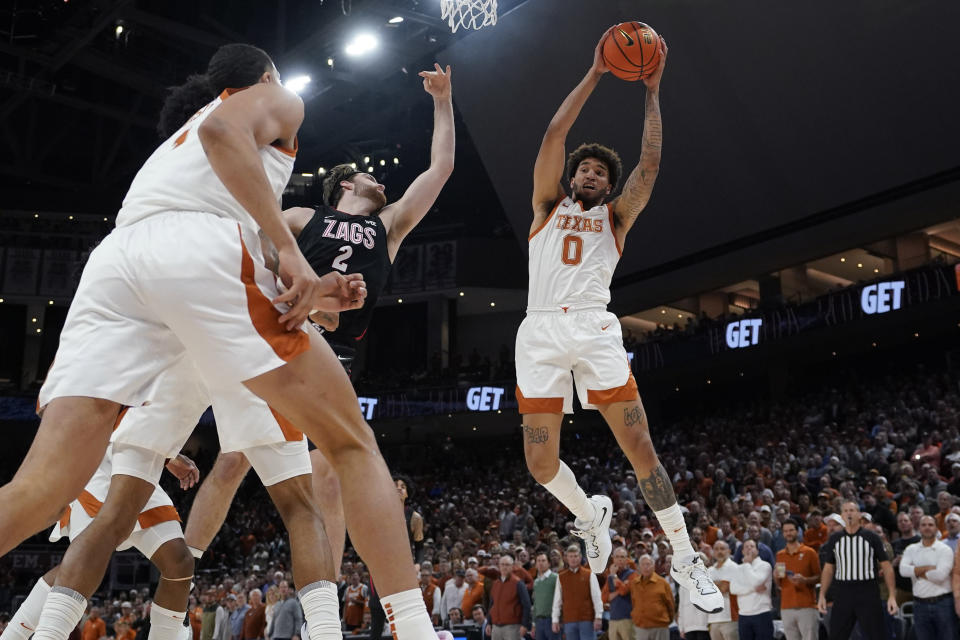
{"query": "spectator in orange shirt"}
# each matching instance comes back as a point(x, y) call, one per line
point(797, 572)
point(816, 533)
point(474, 593)
point(653, 604)
point(122, 630)
point(945, 502)
point(94, 628)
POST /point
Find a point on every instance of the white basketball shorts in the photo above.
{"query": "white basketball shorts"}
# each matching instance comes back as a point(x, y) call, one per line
point(588, 343)
point(172, 283)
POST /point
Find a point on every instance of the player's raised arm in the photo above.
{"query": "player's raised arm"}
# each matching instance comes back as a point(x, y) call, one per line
point(639, 185)
point(404, 214)
point(548, 169)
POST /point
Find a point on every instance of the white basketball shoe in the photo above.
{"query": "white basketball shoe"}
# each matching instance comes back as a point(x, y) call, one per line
point(596, 534)
point(692, 576)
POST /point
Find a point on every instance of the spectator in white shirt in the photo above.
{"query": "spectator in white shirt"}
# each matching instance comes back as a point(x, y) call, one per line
point(752, 585)
point(453, 593)
point(928, 564)
point(723, 625)
point(691, 622)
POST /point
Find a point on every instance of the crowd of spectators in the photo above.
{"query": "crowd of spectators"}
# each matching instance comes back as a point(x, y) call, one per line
point(889, 442)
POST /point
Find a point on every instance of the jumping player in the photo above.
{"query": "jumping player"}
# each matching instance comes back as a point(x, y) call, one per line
point(183, 273)
point(575, 244)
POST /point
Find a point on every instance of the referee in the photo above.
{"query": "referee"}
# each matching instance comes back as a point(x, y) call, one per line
point(850, 567)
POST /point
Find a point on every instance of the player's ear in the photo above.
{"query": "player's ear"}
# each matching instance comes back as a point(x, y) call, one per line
point(346, 184)
point(267, 77)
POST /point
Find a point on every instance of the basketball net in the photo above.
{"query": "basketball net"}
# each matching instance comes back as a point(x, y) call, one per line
point(469, 14)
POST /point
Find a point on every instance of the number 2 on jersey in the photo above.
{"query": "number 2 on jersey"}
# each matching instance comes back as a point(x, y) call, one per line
point(572, 249)
point(340, 262)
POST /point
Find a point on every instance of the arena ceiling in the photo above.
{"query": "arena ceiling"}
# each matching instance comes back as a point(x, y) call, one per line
point(82, 81)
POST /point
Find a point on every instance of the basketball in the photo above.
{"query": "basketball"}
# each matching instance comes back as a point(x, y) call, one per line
point(632, 51)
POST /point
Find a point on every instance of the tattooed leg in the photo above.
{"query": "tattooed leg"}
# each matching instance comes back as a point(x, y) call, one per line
point(541, 444)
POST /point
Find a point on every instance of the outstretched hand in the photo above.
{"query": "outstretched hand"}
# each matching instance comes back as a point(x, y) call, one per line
point(653, 80)
point(599, 66)
point(437, 82)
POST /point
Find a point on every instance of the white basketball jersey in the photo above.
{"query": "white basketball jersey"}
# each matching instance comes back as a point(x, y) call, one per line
point(178, 177)
point(572, 258)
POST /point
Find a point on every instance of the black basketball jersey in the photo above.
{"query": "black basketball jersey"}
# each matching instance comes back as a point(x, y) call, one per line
point(337, 241)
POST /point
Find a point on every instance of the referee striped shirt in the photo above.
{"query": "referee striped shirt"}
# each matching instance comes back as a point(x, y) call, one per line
point(856, 556)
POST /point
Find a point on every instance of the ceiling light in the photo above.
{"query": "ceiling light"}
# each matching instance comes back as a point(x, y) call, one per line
point(859, 265)
point(362, 43)
point(366, 159)
point(329, 62)
point(876, 270)
point(49, 301)
point(493, 304)
point(843, 259)
point(38, 330)
point(396, 160)
point(36, 215)
point(69, 217)
point(1, 300)
point(383, 163)
point(399, 300)
point(307, 175)
point(297, 83)
point(663, 311)
point(33, 319)
point(461, 294)
point(353, 165)
point(119, 30)
point(321, 171)
point(395, 20)
point(369, 169)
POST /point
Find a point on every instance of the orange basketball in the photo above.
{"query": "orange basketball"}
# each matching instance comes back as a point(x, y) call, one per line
point(632, 51)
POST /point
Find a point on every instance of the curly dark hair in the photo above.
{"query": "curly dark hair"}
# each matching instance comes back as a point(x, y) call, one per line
point(233, 66)
point(411, 488)
point(606, 155)
point(332, 191)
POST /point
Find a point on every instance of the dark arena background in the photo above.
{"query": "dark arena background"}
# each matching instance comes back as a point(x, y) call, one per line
point(789, 299)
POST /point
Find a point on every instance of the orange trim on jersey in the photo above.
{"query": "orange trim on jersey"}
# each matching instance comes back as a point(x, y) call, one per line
point(65, 517)
point(626, 393)
point(120, 416)
point(229, 91)
point(265, 317)
point(290, 432)
point(540, 228)
point(290, 152)
point(538, 405)
point(153, 517)
point(613, 230)
point(181, 138)
point(90, 504)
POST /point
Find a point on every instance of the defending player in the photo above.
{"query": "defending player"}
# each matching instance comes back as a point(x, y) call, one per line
point(575, 244)
point(182, 273)
point(355, 231)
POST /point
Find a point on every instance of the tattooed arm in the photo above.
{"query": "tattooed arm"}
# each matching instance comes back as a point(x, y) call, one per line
point(639, 185)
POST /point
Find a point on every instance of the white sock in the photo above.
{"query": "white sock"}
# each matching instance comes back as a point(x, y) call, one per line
point(24, 621)
point(671, 519)
point(164, 623)
point(321, 608)
point(407, 615)
point(565, 488)
point(61, 614)
point(196, 553)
